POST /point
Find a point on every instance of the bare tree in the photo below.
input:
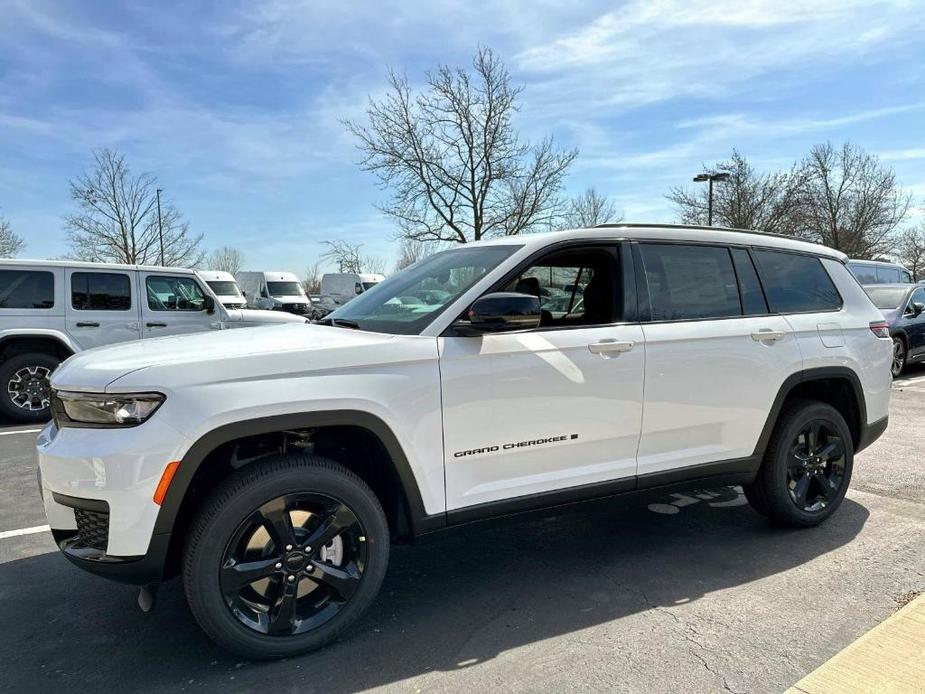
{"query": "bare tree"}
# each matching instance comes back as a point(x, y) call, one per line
point(910, 251)
point(413, 250)
point(748, 200)
point(348, 258)
point(588, 210)
point(850, 201)
point(117, 218)
point(312, 282)
point(373, 264)
point(226, 259)
point(10, 242)
point(449, 154)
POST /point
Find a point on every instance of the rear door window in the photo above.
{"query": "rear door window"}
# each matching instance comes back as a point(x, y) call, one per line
point(689, 282)
point(100, 291)
point(27, 289)
point(795, 283)
point(753, 303)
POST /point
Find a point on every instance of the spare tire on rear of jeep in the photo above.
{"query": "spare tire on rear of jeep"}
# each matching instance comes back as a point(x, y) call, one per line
point(25, 390)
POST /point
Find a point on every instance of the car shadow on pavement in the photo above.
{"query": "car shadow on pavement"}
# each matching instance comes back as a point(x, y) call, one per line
point(452, 603)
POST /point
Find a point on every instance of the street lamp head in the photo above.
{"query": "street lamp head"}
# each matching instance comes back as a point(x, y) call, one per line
point(721, 176)
point(700, 178)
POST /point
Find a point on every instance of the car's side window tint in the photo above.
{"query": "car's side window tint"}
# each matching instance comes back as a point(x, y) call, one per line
point(100, 291)
point(174, 294)
point(918, 297)
point(575, 287)
point(796, 283)
point(27, 289)
point(753, 303)
point(690, 282)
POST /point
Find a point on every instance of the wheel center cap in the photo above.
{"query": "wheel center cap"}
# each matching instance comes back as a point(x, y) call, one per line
point(295, 561)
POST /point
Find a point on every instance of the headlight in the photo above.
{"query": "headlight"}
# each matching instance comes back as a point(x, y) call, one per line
point(103, 409)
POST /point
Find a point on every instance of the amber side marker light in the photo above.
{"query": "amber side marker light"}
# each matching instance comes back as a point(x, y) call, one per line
point(161, 492)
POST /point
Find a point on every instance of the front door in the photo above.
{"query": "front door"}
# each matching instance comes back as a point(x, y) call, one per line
point(555, 407)
point(101, 307)
point(174, 305)
point(915, 325)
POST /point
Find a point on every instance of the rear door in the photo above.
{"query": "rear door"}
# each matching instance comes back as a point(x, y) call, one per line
point(101, 307)
point(174, 305)
point(715, 359)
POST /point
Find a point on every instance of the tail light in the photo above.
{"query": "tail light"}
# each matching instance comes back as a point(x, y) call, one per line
point(880, 328)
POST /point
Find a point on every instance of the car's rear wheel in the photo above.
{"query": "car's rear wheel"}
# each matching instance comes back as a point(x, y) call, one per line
point(807, 466)
point(899, 357)
point(284, 556)
point(25, 390)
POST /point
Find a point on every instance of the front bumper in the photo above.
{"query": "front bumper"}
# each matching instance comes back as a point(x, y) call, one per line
point(97, 487)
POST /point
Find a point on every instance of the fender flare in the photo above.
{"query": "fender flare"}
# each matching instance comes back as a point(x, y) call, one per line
point(197, 453)
point(805, 376)
point(43, 334)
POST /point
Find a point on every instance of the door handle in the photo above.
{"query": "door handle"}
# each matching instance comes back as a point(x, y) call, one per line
point(768, 335)
point(611, 346)
point(156, 325)
point(87, 324)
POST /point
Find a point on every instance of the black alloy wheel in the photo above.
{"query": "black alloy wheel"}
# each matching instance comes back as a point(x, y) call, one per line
point(899, 357)
point(293, 564)
point(816, 471)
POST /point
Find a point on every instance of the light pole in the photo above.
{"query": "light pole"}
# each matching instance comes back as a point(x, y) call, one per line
point(700, 178)
point(160, 228)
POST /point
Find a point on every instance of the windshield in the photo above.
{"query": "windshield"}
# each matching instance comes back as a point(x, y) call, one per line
point(407, 302)
point(284, 288)
point(887, 297)
point(224, 288)
point(369, 285)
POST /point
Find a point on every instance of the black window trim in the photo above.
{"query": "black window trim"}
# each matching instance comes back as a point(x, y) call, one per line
point(101, 272)
point(173, 310)
point(617, 247)
point(642, 288)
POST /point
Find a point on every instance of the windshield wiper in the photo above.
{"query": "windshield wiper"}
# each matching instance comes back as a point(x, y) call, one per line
point(339, 322)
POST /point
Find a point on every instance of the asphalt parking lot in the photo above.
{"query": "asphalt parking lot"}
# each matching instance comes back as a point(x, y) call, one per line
point(679, 593)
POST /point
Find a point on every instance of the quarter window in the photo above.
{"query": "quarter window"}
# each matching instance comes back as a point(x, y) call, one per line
point(27, 289)
point(100, 291)
point(690, 282)
point(174, 294)
point(796, 283)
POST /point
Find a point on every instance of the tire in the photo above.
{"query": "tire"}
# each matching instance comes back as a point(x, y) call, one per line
point(900, 353)
point(798, 484)
point(24, 387)
point(214, 537)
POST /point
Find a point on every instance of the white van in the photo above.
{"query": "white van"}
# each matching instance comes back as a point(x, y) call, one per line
point(343, 286)
point(224, 287)
point(276, 291)
point(52, 309)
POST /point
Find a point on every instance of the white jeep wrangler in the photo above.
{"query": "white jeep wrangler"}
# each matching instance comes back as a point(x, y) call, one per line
point(273, 467)
point(50, 310)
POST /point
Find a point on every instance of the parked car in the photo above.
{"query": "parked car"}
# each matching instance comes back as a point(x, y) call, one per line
point(344, 286)
point(903, 307)
point(879, 272)
point(274, 291)
point(50, 310)
point(224, 287)
point(274, 473)
point(321, 306)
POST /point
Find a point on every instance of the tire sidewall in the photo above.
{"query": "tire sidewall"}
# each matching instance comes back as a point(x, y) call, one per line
point(204, 556)
point(778, 491)
point(10, 367)
point(902, 344)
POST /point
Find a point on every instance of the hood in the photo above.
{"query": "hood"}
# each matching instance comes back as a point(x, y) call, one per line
point(247, 316)
point(185, 359)
point(290, 298)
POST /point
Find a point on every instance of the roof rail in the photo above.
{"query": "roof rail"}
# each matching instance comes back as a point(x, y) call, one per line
point(641, 225)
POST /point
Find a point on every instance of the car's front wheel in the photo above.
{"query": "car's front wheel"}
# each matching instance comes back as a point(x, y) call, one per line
point(899, 357)
point(807, 467)
point(284, 556)
point(25, 391)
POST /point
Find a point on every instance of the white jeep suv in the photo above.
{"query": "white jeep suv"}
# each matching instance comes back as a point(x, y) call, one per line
point(272, 468)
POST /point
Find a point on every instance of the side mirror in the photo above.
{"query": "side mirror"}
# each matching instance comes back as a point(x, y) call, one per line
point(503, 312)
point(917, 308)
point(208, 303)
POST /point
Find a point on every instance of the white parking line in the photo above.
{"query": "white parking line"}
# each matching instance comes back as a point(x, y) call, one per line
point(20, 431)
point(24, 531)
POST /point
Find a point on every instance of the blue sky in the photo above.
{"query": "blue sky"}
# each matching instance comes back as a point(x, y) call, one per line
point(235, 106)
